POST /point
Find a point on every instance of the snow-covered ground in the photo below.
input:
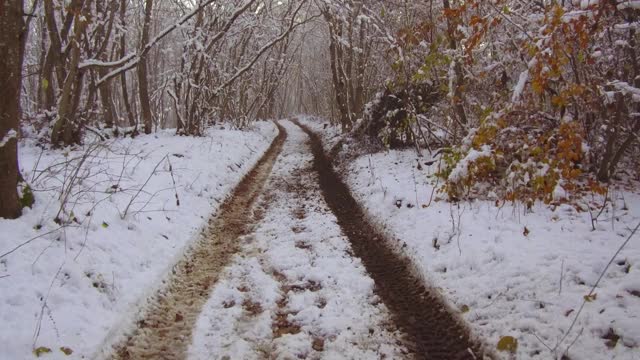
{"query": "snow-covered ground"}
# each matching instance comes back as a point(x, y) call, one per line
point(65, 286)
point(294, 291)
point(510, 273)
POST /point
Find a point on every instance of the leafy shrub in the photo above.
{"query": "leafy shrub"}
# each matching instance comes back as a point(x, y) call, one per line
point(523, 159)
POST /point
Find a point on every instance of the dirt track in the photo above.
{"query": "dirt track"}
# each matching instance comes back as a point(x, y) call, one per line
point(165, 332)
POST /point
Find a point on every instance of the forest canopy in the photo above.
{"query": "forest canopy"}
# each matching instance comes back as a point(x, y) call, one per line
point(526, 97)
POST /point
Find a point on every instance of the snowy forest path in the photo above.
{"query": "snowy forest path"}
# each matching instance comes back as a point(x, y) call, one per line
point(291, 268)
point(165, 331)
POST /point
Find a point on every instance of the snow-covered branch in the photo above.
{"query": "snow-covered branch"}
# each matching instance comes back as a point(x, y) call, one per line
point(131, 61)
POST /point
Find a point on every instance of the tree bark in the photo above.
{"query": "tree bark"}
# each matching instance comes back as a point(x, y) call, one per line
point(123, 78)
point(12, 50)
point(143, 84)
point(101, 40)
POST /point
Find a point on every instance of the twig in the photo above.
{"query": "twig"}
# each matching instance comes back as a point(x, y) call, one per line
point(512, 22)
point(194, 181)
point(175, 189)
point(36, 332)
point(65, 193)
point(459, 230)
point(126, 210)
point(415, 186)
point(566, 352)
point(561, 277)
point(542, 342)
point(372, 171)
point(594, 220)
point(35, 166)
point(86, 235)
point(495, 299)
point(588, 296)
point(28, 241)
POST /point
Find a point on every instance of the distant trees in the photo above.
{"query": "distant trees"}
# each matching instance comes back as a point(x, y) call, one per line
point(194, 64)
point(12, 34)
point(346, 49)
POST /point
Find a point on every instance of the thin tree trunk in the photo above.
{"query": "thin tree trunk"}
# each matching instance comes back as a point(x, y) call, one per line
point(54, 54)
point(360, 70)
point(101, 42)
point(123, 78)
point(458, 83)
point(143, 84)
point(335, 57)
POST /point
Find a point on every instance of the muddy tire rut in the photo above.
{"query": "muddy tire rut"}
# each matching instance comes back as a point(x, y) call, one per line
point(433, 331)
point(165, 330)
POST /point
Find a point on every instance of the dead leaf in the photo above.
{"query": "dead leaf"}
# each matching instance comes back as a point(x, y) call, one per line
point(591, 297)
point(508, 343)
point(41, 350)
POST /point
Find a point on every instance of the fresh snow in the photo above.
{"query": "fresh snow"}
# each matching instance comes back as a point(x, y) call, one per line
point(461, 171)
point(522, 81)
point(80, 285)
point(295, 267)
point(11, 134)
point(522, 275)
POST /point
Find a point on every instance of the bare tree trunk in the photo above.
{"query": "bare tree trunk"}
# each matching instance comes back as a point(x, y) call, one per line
point(336, 59)
point(458, 83)
point(611, 157)
point(101, 41)
point(46, 96)
point(123, 78)
point(55, 47)
point(67, 127)
point(12, 50)
point(360, 71)
point(143, 83)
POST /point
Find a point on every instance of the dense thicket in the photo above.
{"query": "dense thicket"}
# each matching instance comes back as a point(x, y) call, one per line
point(527, 99)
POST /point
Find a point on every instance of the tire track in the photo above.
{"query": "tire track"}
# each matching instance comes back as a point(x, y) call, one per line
point(433, 330)
point(295, 291)
point(165, 330)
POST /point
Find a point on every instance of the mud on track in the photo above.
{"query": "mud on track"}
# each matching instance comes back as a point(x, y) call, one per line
point(434, 332)
point(165, 330)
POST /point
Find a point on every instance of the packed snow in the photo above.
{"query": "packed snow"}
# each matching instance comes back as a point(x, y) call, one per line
point(509, 271)
point(132, 207)
point(295, 291)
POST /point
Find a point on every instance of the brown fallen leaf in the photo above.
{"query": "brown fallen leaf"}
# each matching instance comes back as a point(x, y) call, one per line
point(318, 344)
